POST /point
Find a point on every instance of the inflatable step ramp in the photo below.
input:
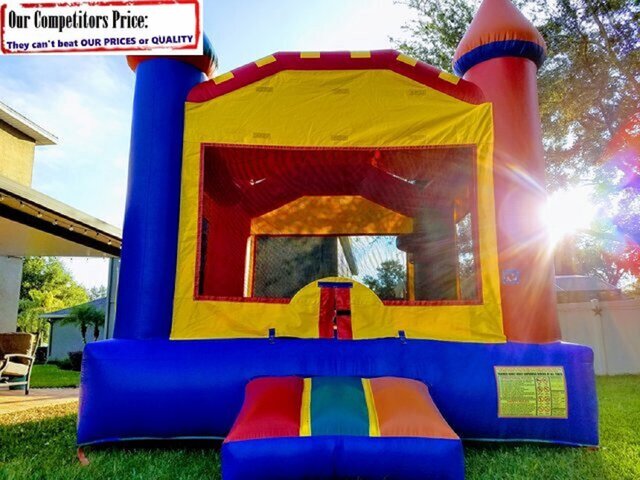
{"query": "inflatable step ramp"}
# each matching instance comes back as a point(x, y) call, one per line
point(292, 428)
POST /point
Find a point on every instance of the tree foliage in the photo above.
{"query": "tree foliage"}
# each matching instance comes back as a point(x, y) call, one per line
point(389, 282)
point(610, 262)
point(46, 286)
point(97, 292)
point(436, 31)
point(86, 316)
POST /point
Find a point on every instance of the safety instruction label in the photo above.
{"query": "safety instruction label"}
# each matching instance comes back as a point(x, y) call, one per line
point(531, 392)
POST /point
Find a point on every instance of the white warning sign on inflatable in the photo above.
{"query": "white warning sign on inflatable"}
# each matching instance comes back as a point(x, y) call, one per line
point(531, 392)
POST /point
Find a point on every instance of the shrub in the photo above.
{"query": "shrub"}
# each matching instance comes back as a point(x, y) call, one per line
point(41, 355)
point(64, 364)
point(75, 359)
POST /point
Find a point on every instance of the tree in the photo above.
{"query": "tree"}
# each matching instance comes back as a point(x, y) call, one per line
point(84, 317)
point(46, 286)
point(97, 292)
point(389, 283)
point(437, 29)
point(610, 261)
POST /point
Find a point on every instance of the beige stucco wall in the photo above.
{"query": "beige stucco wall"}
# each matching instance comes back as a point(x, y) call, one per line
point(16, 154)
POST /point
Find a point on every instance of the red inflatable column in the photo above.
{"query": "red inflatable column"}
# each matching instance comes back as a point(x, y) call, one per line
point(501, 53)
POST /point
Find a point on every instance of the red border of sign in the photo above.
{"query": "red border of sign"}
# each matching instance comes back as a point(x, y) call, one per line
point(111, 3)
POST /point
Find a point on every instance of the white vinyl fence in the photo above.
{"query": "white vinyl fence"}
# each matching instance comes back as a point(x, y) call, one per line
point(611, 329)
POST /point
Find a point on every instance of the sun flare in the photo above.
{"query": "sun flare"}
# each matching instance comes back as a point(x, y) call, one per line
point(568, 211)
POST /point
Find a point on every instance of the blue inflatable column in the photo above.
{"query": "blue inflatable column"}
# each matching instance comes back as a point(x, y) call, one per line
point(148, 268)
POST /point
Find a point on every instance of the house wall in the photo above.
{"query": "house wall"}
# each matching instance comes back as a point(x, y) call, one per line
point(67, 338)
point(17, 151)
point(614, 335)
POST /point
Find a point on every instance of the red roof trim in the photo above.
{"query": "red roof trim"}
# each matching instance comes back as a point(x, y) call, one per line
point(378, 60)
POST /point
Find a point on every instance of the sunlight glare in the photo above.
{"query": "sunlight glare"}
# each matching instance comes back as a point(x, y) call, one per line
point(568, 211)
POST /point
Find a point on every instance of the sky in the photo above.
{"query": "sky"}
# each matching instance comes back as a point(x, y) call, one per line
point(86, 100)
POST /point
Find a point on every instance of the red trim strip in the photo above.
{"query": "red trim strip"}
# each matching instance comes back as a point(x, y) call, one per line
point(379, 60)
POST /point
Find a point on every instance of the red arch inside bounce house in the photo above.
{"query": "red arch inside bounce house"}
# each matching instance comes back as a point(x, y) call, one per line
point(133, 387)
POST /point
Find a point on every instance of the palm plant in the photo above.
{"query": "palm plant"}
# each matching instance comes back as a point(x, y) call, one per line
point(86, 316)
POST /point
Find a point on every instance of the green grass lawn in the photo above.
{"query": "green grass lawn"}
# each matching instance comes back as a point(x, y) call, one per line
point(40, 444)
point(52, 376)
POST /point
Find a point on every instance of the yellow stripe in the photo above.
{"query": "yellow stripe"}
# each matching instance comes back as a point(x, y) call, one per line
point(305, 409)
point(265, 61)
point(374, 427)
point(406, 59)
point(449, 77)
point(361, 54)
point(309, 54)
point(223, 78)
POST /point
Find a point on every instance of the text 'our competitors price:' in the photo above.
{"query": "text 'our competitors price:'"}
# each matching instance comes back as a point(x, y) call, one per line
point(79, 19)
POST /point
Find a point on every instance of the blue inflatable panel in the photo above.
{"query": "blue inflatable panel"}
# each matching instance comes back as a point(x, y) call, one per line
point(163, 389)
point(505, 48)
point(369, 458)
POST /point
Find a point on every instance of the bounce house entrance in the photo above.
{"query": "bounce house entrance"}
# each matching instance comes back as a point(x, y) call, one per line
point(401, 221)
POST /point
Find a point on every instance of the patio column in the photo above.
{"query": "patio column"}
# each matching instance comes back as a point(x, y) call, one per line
point(10, 279)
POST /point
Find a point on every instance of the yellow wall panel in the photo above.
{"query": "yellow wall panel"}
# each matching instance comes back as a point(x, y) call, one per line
point(339, 109)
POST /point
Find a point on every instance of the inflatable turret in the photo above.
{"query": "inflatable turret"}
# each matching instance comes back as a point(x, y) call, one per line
point(501, 53)
point(148, 266)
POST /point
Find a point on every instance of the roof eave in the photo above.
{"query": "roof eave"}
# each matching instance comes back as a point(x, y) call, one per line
point(26, 205)
point(26, 126)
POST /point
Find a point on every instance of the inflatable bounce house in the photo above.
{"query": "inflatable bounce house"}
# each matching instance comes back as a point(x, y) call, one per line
point(336, 262)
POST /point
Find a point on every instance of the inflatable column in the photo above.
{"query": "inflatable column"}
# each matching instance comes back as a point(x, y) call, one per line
point(147, 274)
point(501, 53)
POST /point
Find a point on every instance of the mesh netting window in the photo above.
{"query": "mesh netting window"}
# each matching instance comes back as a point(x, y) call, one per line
point(401, 221)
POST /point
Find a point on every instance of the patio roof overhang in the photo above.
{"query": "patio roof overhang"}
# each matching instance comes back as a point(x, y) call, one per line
point(34, 224)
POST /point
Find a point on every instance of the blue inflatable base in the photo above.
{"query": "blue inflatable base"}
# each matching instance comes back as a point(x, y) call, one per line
point(163, 389)
point(373, 458)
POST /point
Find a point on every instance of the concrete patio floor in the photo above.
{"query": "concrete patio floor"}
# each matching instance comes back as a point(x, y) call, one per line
point(12, 401)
